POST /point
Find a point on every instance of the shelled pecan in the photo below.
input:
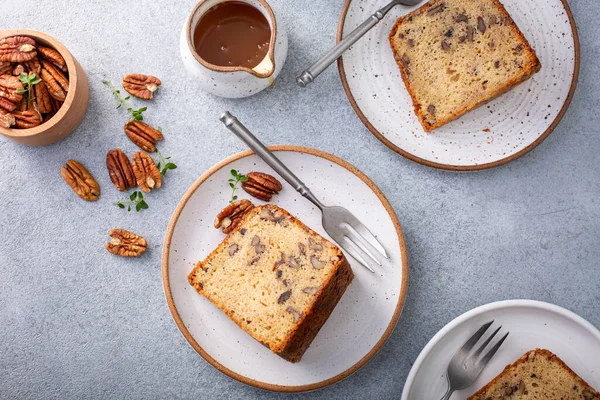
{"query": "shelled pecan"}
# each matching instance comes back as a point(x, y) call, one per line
point(5, 68)
point(262, 186)
point(53, 56)
point(10, 87)
point(120, 170)
point(125, 244)
point(7, 120)
point(17, 49)
point(230, 217)
point(146, 173)
point(80, 180)
point(141, 86)
point(42, 98)
point(27, 119)
point(33, 66)
point(143, 135)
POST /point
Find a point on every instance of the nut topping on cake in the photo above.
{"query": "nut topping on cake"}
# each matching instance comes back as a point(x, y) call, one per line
point(232, 215)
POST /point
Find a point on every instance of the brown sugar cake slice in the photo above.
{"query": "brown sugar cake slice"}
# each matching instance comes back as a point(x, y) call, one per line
point(276, 278)
point(538, 375)
point(455, 55)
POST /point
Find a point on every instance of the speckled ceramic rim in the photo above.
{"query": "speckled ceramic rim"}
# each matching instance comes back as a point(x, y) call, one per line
point(47, 40)
point(227, 371)
point(485, 308)
point(218, 68)
point(461, 168)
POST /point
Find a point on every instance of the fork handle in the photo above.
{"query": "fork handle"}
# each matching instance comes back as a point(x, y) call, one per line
point(263, 152)
point(448, 394)
point(309, 75)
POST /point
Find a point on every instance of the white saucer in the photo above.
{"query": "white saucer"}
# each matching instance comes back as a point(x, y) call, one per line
point(532, 324)
point(361, 322)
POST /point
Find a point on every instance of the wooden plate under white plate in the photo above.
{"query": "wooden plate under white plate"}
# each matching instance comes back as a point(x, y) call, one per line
point(360, 324)
point(532, 324)
point(496, 133)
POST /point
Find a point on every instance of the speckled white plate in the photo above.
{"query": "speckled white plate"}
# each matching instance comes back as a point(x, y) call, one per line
point(362, 320)
point(532, 324)
point(497, 133)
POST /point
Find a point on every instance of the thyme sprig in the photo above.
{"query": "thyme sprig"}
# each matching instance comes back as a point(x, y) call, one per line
point(122, 102)
point(233, 183)
point(136, 200)
point(28, 82)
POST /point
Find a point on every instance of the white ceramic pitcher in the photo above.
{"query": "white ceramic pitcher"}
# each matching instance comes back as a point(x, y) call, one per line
point(234, 82)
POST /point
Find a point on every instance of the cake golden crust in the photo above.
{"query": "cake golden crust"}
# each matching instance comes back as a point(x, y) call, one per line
point(290, 276)
point(581, 390)
point(529, 68)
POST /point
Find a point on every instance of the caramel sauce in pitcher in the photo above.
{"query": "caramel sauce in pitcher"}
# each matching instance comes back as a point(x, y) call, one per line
point(233, 34)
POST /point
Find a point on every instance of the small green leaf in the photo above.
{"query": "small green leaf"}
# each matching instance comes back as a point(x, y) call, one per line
point(129, 208)
point(121, 205)
point(244, 178)
point(234, 173)
point(119, 106)
point(138, 207)
point(132, 197)
point(143, 205)
point(21, 90)
point(234, 197)
point(105, 81)
point(127, 98)
point(231, 185)
point(170, 166)
point(36, 82)
point(140, 195)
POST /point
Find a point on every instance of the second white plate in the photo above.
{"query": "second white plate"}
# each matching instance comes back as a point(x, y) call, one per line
point(532, 324)
point(492, 135)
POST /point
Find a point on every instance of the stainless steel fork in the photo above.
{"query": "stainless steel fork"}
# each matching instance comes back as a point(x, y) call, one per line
point(464, 368)
point(309, 75)
point(339, 223)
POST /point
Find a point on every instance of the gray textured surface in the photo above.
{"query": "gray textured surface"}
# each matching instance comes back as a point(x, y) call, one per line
point(77, 322)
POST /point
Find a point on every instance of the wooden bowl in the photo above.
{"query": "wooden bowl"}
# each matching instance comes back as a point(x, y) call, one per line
point(73, 109)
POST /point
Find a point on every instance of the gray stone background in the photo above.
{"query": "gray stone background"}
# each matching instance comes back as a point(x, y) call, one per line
point(77, 322)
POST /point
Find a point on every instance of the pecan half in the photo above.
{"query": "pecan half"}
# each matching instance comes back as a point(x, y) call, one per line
point(19, 69)
point(9, 87)
point(147, 176)
point(125, 243)
point(7, 120)
point(143, 135)
point(80, 180)
point(231, 216)
point(17, 49)
point(42, 98)
point(34, 66)
point(7, 105)
point(54, 88)
point(141, 86)
point(48, 69)
point(5, 68)
point(54, 57)
point(120, 170)
point(27, 119)
point(262, 186)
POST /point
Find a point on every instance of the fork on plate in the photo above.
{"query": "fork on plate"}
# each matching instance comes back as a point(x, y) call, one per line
point(466, 366)
point(343, 227)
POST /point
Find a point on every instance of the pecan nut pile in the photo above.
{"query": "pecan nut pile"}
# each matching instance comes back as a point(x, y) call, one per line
point(120, 170)
point(143, 135)
point(231, 216)
point(141, 86)
point(80, 180)
point(146, 173)
point(125, 243)
point(262, 186)
point(33, 80)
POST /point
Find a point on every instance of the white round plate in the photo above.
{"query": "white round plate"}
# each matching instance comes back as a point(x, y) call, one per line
point(491, 135)
point(532, 324)
point(361, 322)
